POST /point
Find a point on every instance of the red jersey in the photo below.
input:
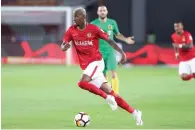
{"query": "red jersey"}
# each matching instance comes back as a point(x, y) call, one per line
point(86, 43)
point(184, 38)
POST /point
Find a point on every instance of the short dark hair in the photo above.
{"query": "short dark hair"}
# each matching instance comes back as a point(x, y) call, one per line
point(101, 6)
point(179, 21)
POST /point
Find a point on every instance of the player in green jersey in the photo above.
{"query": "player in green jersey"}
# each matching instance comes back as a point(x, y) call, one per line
point(111, 28)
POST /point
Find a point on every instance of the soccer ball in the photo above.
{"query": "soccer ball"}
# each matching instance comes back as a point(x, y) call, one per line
point(82, 119)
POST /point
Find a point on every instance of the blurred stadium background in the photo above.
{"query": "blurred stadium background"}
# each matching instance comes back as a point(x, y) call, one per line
point(39, 81)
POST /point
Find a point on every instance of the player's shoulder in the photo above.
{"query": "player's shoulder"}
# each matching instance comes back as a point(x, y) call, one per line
point(111, 20)
point(72, 27)
point(173, 34)
point(187, 32)
point(92, 25)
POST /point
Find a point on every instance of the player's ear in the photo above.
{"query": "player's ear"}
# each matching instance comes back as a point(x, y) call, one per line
point(97, 10)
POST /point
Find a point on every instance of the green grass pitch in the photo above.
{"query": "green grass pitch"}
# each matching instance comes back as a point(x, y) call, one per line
point(47, 97)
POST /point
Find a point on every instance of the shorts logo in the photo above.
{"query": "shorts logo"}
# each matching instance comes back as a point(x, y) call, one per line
point(110, 27)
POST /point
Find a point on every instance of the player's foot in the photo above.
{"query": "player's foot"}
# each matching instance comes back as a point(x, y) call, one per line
point(111, 102)
point(138, 117)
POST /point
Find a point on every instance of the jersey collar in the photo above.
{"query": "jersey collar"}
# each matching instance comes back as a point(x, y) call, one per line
point(83, 28)
point(103, 21)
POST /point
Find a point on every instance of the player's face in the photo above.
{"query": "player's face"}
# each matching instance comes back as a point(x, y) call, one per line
point(102, 12)
point(178, 27)
point(79, 18)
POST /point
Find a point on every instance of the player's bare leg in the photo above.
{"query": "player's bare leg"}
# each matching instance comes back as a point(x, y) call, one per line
point(114, 74)
point(107, 78)
point(186, 77)
point(123, 104)
point(115, 82)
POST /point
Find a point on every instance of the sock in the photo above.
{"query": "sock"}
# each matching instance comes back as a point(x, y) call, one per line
point(115, 85)
point(193, 75)
point(92, 88)
point(121, 103)
point(188, 77)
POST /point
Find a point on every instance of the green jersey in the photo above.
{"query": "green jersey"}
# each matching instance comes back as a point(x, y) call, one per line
point(111, 28)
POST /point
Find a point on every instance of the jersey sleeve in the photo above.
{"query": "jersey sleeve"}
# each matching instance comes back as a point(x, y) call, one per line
point(101, 34)
point(115, 29)
point(189, 38)
point(173, 38)
point(67, 36)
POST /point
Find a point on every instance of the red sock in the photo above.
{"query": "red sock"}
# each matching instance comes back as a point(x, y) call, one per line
point(92, 88)
point(193, 75)
point(121, 102)
point(188, 77)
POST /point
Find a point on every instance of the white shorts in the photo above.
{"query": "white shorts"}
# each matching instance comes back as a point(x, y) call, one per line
point(187, 67)
point(95, 71)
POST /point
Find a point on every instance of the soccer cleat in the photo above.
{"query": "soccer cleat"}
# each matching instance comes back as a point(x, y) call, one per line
point(138, 117)
point(111, 102)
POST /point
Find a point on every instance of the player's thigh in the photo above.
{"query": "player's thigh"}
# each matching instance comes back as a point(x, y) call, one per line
point(192, 65)
point(95, 69)
point(85, 78)
point(184, 68)
point(99, 80)
point(112, 63)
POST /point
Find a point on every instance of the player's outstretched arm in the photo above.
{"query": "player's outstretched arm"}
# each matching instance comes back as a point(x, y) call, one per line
point(118, 35)
point(128, 40)
point(117, 48)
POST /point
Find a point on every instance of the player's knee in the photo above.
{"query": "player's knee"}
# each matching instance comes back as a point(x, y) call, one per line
point(85, 78)
point(184, 77)
point(114, 74)
point(81, 84)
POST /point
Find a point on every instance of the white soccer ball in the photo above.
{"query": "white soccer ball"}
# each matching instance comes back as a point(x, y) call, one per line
point(82, 119)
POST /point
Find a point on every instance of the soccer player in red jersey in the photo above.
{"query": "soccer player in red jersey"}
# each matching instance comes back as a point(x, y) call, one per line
point(183, 46)
point(85, 37)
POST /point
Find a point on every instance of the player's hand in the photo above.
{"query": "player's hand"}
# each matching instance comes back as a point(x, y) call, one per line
point(177, 56)
point(123, 59)
point(65, 47)
point(130, 40)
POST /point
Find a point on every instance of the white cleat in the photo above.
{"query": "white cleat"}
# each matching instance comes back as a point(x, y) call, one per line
point(111, 102)
point(138, 117)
